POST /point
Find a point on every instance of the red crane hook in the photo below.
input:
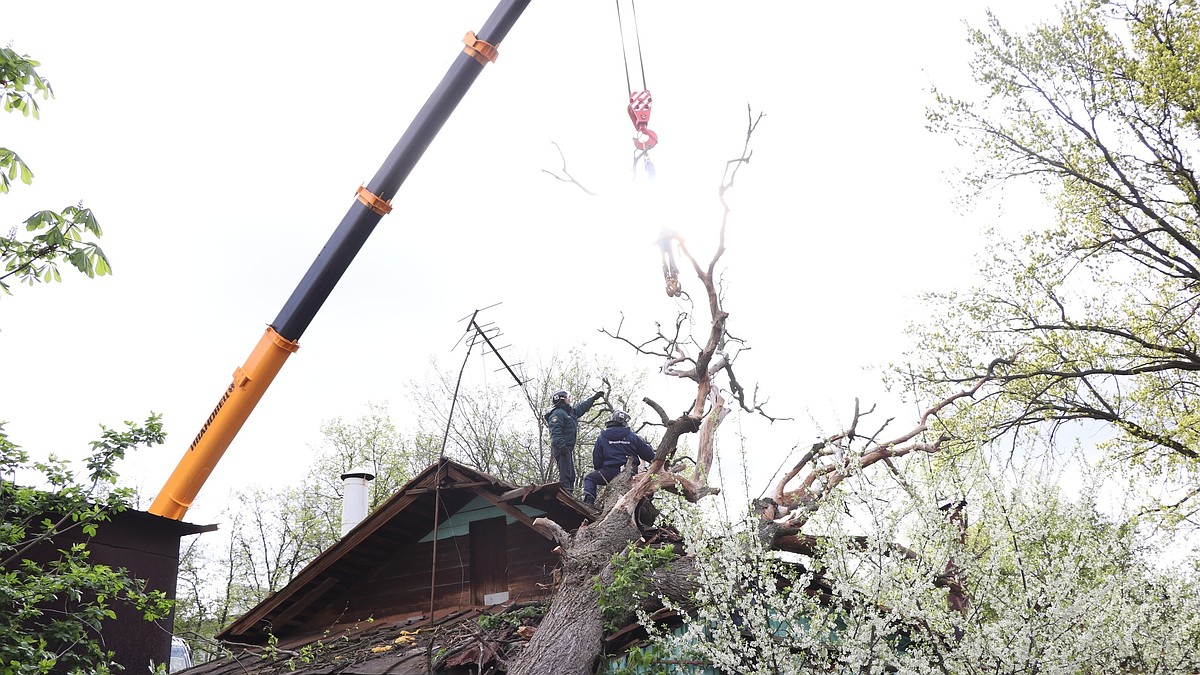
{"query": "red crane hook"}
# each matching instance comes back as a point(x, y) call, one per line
point(639, 112)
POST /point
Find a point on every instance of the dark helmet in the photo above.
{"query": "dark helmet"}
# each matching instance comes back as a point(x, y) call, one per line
point(620, 417)
point(559, 396)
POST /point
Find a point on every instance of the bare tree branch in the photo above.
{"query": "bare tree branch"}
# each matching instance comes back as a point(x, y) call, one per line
point(566, 176)
point(835, 458)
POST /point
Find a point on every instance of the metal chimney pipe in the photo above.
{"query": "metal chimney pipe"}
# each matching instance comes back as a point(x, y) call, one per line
point(355, 497)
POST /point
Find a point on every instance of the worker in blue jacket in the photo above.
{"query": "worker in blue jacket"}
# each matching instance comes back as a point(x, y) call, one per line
point(617, 443)
point(563, 423)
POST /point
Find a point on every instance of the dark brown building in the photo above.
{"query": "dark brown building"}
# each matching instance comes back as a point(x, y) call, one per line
point(450, 542)
point(148, 547)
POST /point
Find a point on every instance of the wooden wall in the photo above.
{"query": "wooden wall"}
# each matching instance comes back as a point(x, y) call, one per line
point(399, 588)
point(147, 546)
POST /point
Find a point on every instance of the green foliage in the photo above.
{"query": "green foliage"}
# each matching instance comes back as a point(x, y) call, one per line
point(1047, 585)
point(1093, 315)
point(20, 85)
point(51, 612)
point(64, 237)
point(630, 569)
point(12, 166)
point(646, 660)
point(291, 659)
point(494, 621)
point(512, 619)
point(53, 598)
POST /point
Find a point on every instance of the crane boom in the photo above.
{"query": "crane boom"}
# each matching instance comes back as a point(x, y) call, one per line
point(373, 201)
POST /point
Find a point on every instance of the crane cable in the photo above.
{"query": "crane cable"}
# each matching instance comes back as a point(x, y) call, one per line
point(638, 37)
point(640, 102)
point(639, 112)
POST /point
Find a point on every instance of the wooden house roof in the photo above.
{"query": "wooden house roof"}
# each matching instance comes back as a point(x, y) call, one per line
point(447, 489)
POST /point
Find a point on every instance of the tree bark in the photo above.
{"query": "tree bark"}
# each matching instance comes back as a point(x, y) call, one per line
point(571, 636)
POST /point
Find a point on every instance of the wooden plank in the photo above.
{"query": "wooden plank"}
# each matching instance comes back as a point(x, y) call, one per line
point(489, 558)
point(385, 602)
point(304, 602)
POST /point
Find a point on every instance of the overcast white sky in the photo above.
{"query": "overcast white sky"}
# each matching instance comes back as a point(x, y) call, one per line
point(220, 143)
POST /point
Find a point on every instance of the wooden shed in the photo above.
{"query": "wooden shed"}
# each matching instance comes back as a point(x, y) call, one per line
point(452, 539)
point(147, 547)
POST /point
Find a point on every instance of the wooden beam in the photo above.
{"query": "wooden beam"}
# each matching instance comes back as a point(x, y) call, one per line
point(447, 488)
point(305, 601)
point(519, 493)
point(506, 507)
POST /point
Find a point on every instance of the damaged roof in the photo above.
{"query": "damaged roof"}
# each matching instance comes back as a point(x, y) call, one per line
point(404, 520)
point(463, 641)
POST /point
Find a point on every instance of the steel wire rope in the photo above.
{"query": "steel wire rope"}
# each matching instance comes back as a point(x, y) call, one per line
point(437, 497)
point(624, 52)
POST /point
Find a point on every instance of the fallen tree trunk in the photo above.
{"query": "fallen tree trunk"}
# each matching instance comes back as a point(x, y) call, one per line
point(571, 635)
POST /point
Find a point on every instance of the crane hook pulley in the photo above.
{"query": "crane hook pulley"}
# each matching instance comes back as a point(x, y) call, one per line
point(639, 112)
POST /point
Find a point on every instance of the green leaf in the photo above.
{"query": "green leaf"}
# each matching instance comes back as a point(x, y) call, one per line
point(102, 266)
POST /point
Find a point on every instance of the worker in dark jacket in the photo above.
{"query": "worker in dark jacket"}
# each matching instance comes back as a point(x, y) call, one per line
point(617, 443)
point(563, 422)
